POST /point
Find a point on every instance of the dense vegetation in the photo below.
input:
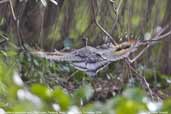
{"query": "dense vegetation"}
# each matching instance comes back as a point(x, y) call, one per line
point(29, 83)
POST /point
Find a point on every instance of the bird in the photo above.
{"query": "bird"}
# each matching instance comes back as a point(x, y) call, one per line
point(89, 59)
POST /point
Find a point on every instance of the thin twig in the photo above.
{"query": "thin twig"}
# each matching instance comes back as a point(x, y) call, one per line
point(20, 39)
point(11, 6)
point(97, 23)
point(72, 75)
point(101, 28)
point(5, 39)
point(142, 77)
point(117, 15)
point(148, 43)
point(158, 36)
point(135, 58)
point(12, 10)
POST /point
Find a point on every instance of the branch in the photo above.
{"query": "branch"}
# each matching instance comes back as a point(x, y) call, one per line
point(97, 23)
point(135, 58)
point(143, 79)
point(112, 39)
point(11, 6)
point(148, 43)
point(5, 39)
point(117, 14)
point(12, 9)
point(159, 36)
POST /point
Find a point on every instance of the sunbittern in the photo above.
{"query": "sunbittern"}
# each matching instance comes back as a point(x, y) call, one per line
point(89, 59)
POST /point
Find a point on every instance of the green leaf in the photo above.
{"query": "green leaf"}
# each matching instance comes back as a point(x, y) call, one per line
point(84, 93)
point(134, 94)
point(167, 106)
point(62, 98)
point(41, 91)
point(130, 107)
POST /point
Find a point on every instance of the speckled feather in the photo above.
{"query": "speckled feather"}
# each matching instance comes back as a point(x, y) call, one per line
point(89, 59)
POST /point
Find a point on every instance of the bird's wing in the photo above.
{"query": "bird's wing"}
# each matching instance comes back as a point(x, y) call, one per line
point(96, 67)
point(87, 54)
point(90, 68)
point(57, 56)
point(79, 55)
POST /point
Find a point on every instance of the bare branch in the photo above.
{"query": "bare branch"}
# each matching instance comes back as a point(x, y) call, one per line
point(148, 43)
point(11, 6)
point(12, 10)
point(158, 38)
point(3, 40)
point(112, 39)
point(117, 15)
point(97, 23)
point(142, 79)
point(157, 35)
point(142, 51)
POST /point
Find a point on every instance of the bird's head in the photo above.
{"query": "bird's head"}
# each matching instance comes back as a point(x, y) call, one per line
point(126, 44)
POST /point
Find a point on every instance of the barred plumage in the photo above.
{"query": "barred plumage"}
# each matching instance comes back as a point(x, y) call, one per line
point(89, 59)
